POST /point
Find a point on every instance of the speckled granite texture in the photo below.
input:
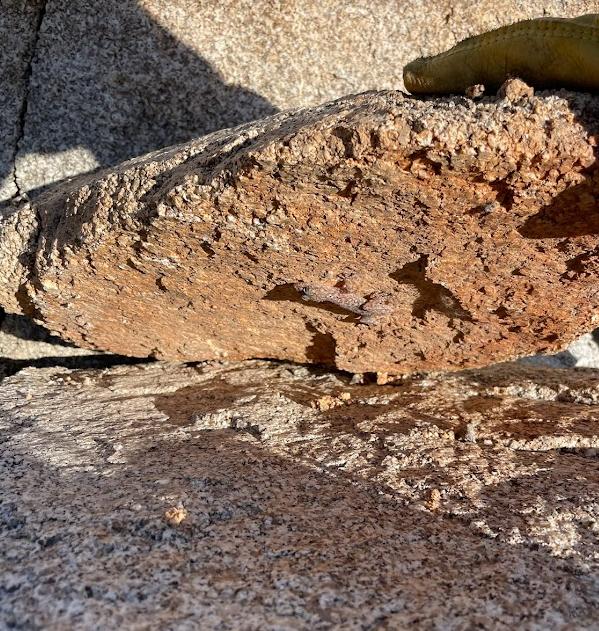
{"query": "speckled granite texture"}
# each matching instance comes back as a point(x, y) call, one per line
point(130, 76)
point(269, 496)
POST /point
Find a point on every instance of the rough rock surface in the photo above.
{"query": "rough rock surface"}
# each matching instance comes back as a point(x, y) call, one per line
point(288, 498)
point(375, 233)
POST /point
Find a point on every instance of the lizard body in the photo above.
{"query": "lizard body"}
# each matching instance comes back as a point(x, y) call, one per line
point(544, 52)
point(369, 309)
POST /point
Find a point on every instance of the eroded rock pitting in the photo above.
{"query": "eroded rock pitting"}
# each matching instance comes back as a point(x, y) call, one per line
point(449, 233)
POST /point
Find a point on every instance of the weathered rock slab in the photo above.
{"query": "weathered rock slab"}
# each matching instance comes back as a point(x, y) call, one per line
point(164, 495)
point(375, 233)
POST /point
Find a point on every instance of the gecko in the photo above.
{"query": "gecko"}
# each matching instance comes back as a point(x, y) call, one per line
point(543, 52)
point(370, 308)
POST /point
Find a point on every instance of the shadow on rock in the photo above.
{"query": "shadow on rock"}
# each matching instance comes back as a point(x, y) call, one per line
point(120, 86)
point(264, 539)
point(575, 211)
point(23, 328)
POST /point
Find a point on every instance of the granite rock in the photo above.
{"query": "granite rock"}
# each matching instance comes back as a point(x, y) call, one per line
point(132, 76)
point(272, 496)
point(375, 233)
point(19, 24)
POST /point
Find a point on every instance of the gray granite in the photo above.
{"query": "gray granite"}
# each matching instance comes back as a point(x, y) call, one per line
point(19, 23)
point(120, 84)
point(269, 496)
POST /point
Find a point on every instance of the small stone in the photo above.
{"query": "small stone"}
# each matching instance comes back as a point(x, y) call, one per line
point(328, 402)
point(434, 500)
point(515, 90)
point(175, 515)
point(475, 91)
point(383, 378)
point(468, 433)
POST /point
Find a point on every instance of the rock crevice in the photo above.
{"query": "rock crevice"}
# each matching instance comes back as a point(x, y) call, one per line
point(21, 117)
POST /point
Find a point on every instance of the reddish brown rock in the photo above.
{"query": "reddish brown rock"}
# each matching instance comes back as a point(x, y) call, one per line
point(375, 233)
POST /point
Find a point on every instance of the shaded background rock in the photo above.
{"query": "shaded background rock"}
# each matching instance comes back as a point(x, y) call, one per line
point(307, 501)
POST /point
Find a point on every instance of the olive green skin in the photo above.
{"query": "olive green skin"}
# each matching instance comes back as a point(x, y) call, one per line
point(545, 52)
